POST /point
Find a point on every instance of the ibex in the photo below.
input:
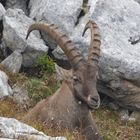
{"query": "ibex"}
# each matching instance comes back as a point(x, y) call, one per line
point(69, 107)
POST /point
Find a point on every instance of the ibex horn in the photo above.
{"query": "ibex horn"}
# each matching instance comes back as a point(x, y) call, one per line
point(94, 50)
point(63, 41)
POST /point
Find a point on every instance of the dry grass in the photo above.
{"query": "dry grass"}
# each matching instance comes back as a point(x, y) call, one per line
point(107, 120)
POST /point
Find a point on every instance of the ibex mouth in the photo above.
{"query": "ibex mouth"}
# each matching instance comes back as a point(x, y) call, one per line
point(93, 103)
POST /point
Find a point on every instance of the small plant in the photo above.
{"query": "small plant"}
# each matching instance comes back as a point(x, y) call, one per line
point(37, 89)
point(46, 63)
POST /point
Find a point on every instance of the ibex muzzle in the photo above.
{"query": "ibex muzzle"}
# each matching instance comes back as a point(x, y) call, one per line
point(85, 72)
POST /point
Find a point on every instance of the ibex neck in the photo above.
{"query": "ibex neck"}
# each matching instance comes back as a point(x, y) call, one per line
point(67, 88)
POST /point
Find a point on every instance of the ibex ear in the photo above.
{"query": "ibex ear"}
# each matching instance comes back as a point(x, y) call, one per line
point(63, 74)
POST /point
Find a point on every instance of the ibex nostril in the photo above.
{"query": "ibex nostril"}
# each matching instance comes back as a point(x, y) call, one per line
point(95, 99)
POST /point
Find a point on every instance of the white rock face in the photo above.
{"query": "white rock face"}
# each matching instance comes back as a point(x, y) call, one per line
point(16, 25)
point(13, 129)
point(119, 66)
point(2, 11)
point(5, 89)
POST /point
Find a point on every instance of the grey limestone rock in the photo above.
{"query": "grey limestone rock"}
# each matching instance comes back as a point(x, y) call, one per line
point(16, 24)
point(5, 89)
point(119, 64)
point(13, 129)
point(13, 62)
point(62, 13)
point(20, 4)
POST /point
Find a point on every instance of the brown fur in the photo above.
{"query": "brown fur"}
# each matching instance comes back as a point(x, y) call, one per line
point(69, 107)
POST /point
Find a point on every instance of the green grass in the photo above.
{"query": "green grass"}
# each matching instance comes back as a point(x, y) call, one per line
point(46, 63)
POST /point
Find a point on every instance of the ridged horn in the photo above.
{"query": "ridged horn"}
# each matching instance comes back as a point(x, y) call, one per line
point(94, 50)
point(61, 39)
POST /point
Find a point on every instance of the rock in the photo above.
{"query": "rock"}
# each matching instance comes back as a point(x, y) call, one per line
point(5, 89)
point(124, 115)
point(20, 96)
point(59, 54)
point(16, 25)
point(62, 13)
point(13, 62)
point(17, 4)
point(113, 106)
point(119, 64)
point(2, 11)
point(138, 1)
point(127, 117)
point(13, 129)
point(134, 117)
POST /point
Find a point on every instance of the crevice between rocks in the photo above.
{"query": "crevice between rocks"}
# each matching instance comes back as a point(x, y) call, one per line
point(3, 2)
point(84, 9)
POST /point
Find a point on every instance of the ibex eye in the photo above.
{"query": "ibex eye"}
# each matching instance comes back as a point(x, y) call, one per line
point(75, 78)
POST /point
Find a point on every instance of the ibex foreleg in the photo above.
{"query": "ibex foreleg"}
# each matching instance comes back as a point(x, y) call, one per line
point(90, 130)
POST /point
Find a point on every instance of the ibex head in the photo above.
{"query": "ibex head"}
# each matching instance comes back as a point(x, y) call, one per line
point(84, 77)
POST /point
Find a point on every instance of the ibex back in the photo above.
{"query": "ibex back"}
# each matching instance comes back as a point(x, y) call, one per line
point(70, 106)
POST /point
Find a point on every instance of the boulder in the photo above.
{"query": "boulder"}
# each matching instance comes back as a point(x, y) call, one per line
point(17, 4)
point(5, 89)
point(119, 64)
point(13, 129)
point(13, 62)
point(16, 24)
point(62, 13)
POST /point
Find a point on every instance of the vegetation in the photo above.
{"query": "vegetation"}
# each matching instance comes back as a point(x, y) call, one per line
point(46, 63)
